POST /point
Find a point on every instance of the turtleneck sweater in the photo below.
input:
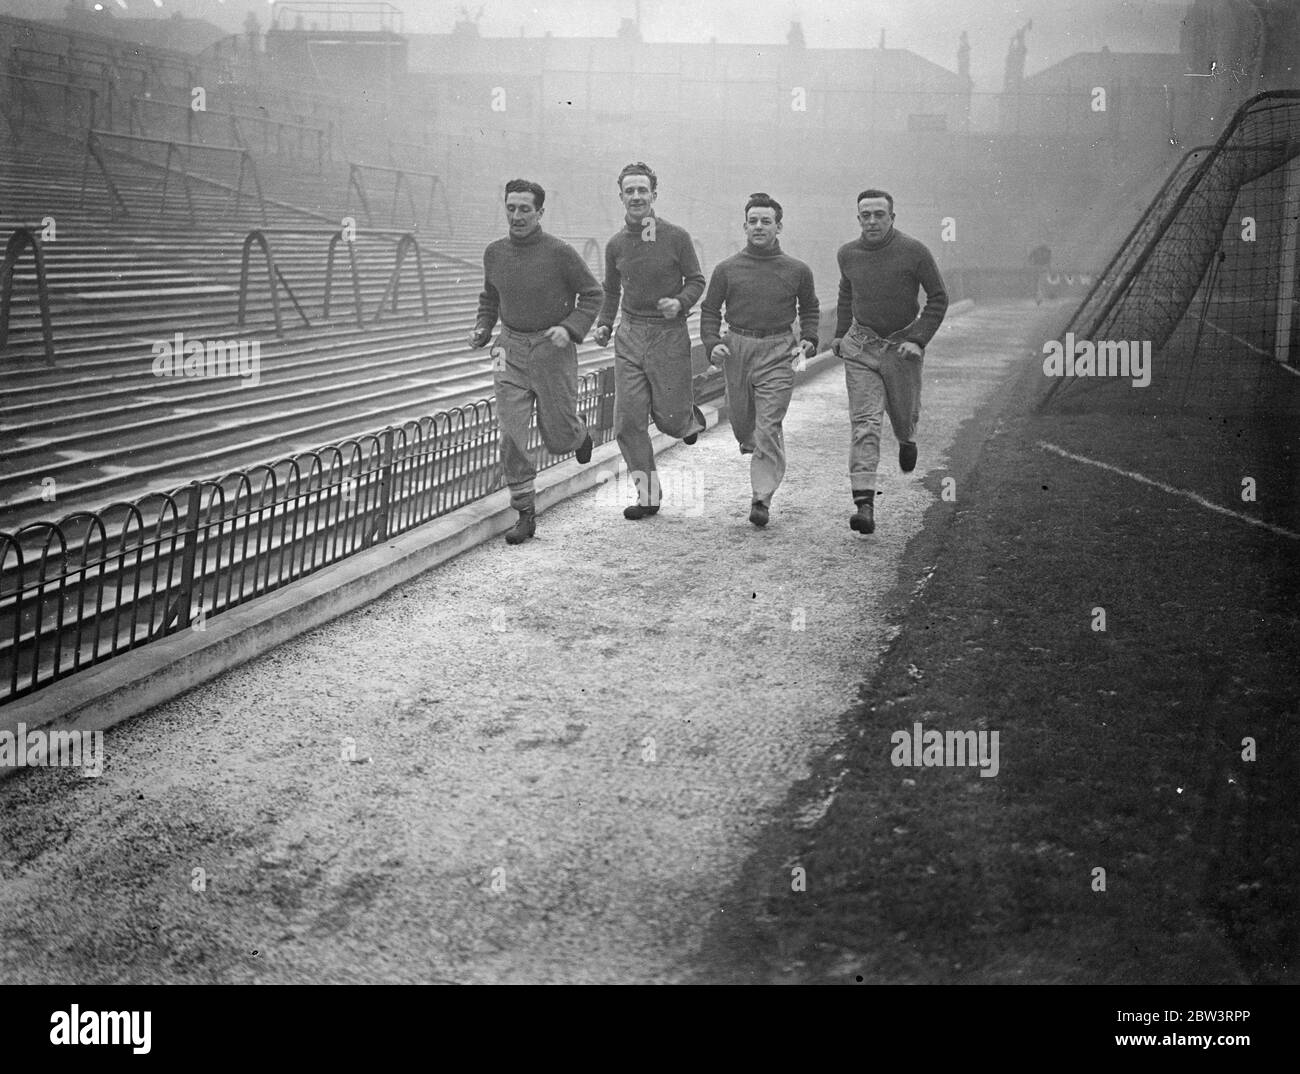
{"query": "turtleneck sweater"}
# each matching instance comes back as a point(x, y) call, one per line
point(644, 272)
point(878, 288)
point(762, 290)
point(531, 283)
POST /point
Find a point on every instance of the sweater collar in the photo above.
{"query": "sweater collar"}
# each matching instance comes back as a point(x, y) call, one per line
point(532, 240)
point(772, 251)
point(893, 232)
point(636, 229)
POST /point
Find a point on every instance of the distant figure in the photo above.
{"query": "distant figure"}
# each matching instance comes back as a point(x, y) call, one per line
point(530, 278)
point(882, 341)
point(963, 57)
point(651, 265)
point(1016, 53)
point(794, 37)
point(763, 289)
point(1040, 257)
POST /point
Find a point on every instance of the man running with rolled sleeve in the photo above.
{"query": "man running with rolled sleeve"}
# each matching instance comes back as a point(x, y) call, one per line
point(530, 279)
point(763, 290)
point(652, 264)
point(882, 341)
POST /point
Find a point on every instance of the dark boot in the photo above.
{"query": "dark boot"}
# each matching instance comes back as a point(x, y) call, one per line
point(524, 528)
point(637, 510)
point(863, 519)
point(907, 457)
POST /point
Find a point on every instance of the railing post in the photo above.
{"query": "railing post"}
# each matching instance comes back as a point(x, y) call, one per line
point(21, 237)
point(408, 240)
point(257, 183)
point(605, 390)
point(189, 550)
point(356, 281)
point(380, 532)
point(260, 239)
point(355, 181)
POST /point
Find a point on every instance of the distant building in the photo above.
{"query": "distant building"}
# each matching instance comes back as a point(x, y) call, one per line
point(708, 85)
point(1092, 95)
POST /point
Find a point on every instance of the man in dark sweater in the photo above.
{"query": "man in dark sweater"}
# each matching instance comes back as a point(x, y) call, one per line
point(530, 280)
point(882, 341)
point(652, 263)
point(763, 290)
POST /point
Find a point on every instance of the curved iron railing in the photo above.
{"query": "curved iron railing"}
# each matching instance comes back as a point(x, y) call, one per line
point(20, 239)
point(96, 585)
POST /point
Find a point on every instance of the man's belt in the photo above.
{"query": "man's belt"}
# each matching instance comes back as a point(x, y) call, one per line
point(521, 332)
point(758, 333)
point(649, 318)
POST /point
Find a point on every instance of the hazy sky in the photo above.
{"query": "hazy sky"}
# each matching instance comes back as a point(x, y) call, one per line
point(927, 27)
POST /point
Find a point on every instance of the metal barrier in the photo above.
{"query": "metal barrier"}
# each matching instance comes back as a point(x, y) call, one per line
point(401, 182)
point(137, 126)
point(406, 242)
point(274, 278)
point(96, 585)
point(21, 238)
point(95, 150)
point(22, 100)
point(356, 279)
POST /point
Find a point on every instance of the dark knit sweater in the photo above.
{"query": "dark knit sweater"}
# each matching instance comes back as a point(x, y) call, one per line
point(645, 272)
point(531, 284)
point(761, 290)
point(878, 287)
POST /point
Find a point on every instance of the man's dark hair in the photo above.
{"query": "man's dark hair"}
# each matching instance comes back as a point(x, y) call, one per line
point(874, 193)
point(763, 201)
point(527, 186)
point(639, 167)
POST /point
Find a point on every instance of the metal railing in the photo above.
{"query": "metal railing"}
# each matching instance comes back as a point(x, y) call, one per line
point(406, 244)
point(24, 99)
point(96, 585)
point(274, 131)
point(24, 238)
point(401, 183)
point(95, 150)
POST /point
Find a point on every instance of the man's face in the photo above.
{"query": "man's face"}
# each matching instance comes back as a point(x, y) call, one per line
point(522, 214)
point(761, 227)
point(637, 197)
point(875, 218)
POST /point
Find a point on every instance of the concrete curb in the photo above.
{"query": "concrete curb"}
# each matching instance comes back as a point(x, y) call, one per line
point(126, 686)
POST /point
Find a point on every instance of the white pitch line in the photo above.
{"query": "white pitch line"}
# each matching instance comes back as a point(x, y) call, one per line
point(1257, 350)
point(1170, 489)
